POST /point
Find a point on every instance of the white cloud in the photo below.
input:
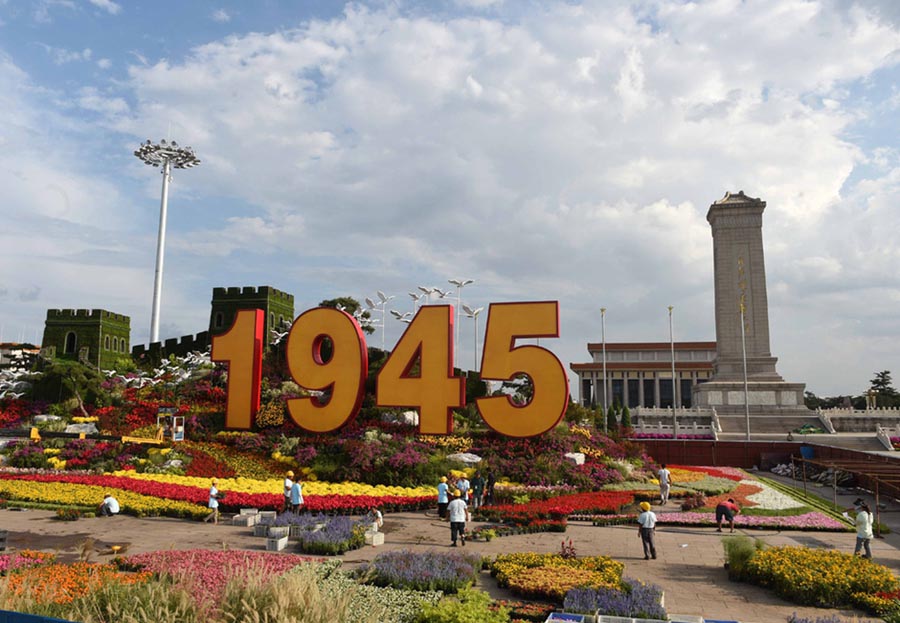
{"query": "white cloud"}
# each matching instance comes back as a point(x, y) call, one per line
point(104, 63)
point(569, 153)
point(221, 16)
point(90, 99)
point(107, 5)
point(62, 56)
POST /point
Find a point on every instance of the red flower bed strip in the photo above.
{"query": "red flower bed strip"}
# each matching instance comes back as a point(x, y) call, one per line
point(233, 499)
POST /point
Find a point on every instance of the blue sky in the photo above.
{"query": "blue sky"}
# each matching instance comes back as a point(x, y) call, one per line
point(549, 150)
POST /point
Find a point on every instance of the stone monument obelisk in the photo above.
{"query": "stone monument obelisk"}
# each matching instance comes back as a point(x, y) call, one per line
point(740, 281)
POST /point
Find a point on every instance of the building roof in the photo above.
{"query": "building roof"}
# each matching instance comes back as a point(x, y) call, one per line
point(632, 346)
point(641, 365)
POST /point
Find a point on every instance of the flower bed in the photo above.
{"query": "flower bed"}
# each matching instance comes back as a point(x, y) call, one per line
point(818, 577)
point(156, 494)
point(807, 521)
point(556, 508)
point(24, 559)
point(634, 599)
point(48, 491)
point(546, 575)
point(60, 583)
point(423, 571)
point(207, 571)
point(339, 535)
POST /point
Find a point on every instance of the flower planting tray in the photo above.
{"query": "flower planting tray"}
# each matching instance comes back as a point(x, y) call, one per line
point(244, 520)
point(374, 538)
point(566, 616)
point(297, 531)
point(249, 511)
point(261, 529)
point(276, 532)
point(267, 515)
point(276, 544)
point(603, 618)
point(685, 618)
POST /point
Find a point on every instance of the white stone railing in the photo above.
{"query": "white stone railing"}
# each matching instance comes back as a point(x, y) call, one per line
point(825, 419)
point(717, 426)
point(677, 428)
point(886, 411)
point(884, 434)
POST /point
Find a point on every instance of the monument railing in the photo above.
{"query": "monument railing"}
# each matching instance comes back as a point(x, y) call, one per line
point(884, 434)
point(675, 422)
point(886, 411)
point(825, 419)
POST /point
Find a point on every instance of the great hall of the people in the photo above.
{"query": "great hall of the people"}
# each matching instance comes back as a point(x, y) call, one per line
point(639, 374)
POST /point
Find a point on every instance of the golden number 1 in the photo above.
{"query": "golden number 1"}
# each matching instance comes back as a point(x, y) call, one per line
point(241, 348)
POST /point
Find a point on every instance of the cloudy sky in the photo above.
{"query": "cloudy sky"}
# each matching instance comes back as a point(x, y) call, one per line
point(549, 150)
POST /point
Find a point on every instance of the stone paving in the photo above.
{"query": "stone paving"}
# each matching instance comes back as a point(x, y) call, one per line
point(689, 568)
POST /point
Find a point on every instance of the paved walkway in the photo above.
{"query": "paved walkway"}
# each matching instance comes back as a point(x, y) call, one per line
point(689, 568)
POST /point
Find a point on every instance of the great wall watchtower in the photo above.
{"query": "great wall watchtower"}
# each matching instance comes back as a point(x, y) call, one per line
point(99, 336)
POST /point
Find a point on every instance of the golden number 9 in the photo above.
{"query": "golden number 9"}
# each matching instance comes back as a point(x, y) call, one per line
point(342, 377)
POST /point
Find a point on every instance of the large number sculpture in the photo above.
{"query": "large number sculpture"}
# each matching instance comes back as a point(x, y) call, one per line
point(418, 374)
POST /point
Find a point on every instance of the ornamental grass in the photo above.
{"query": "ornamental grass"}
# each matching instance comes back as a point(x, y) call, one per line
point(818, 577)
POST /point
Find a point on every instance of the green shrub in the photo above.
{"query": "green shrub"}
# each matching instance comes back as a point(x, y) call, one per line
point(469, 606)
point(738, 552)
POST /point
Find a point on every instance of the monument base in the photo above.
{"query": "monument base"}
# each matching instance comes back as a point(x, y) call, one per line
point(763, 397)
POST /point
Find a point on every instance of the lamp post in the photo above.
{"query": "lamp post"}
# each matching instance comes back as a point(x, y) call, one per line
point(167, 155)
point(603, 339)
point(672, 346)
point(744, 358)
point(415, 298)
point(426, 292)
point(382, 301)
point(473, 314)
point(460, 284)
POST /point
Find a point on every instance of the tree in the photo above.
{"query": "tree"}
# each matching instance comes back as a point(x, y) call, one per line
point(352, 307)
point(61, 378)
point(882, 383)
point(886, 394)
point(612, 423)
point(626, 417)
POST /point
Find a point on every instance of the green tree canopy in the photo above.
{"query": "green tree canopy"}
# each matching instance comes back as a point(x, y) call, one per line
point(352, 307)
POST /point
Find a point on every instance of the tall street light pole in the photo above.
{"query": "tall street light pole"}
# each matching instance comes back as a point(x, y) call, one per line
point(603, 340)
point(168, 155)
point(460, 284)
point(672, 345)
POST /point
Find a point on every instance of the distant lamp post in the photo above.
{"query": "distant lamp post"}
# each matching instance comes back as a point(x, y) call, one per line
point(473, 314)
point(603, 339)
point(415, 297)
point(382, 302)
point(460, 284)
point(168, 155)
point(672, 346)
point(426, 292)
point(404, 317)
